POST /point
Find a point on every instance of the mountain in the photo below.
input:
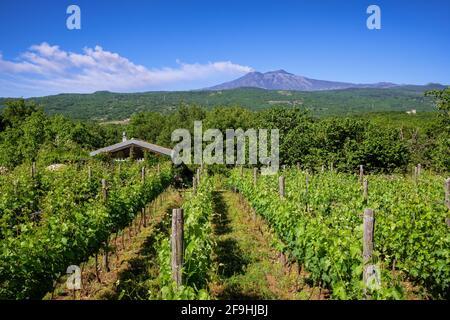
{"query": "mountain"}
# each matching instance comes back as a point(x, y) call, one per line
point(283, 80)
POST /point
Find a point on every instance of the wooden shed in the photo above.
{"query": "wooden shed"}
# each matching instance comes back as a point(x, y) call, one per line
point(123, 150)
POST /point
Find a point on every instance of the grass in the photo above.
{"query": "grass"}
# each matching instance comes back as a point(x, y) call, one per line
point(248, 267)
point(131, 261)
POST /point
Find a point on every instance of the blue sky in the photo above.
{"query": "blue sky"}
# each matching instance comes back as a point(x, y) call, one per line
point(139, 45)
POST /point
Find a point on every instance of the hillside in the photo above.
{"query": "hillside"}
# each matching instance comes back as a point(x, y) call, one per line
point(115, 106)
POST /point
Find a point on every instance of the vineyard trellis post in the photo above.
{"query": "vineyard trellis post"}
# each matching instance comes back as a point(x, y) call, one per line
point(143, 218)
point(104, 190)
point(143, 174)
point(177, 244)
point(361, 173)
point(447, 198)
point(194, 185)
point(365, 190)
point(281, 186)
point(33, 169)
point(105, 255)
point(306, 189)
point(255, 176)
point(447, 192)
point(89, 174)
point(369, 274)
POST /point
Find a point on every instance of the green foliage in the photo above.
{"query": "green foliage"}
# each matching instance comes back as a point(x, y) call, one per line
point(75, 223)
point(102, 106)
point(321, 227)
point(198, 248)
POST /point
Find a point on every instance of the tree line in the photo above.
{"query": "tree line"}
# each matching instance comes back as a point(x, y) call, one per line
point(28, 134)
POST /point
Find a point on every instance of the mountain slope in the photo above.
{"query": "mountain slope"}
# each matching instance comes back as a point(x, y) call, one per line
point(283, 80)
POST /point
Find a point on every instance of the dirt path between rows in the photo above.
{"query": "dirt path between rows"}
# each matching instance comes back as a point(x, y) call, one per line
point(131, 260)
point(248, 265)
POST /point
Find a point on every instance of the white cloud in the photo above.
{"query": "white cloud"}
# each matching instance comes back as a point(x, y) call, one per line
point(47, 68)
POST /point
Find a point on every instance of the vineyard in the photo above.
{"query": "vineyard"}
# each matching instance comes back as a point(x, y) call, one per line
point(312, 225)
point(78, 211)
point(319, 223)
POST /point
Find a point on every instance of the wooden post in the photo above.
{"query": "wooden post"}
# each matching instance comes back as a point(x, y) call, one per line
point(365, 190)
point(419, 169)
point(255, 176)
point(143, 174)
point(89, 174)
point(104, 190)
point(33, 169)
point(177, 245)
point(323, 168)
point(361, 173)
point(447, 190)
point(369, 222)
point(198, 176)
point(281, 186)
point(447, 193)
point(284, 167)
point(158, 169)
point(307, 189)
point(194, 185)
point(298, 166)
point(331, 167)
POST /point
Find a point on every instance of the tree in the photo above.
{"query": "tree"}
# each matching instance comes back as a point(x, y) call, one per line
point(17, 110)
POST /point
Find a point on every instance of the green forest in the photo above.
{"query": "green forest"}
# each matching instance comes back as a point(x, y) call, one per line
point(107, 106)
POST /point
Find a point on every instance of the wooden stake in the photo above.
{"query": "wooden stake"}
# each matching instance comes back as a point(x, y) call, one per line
point(281, 186)
point(307, 189)
point(104, 190)
point(177, 245)
point(143, 174)
point(369, 222)
point(255, 176)
point(365, 190)
point(194, 185)
point(447, 196)
point(447, 191)
point(361, 174)
point(33, 169)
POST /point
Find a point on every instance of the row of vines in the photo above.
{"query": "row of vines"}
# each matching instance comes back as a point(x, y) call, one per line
point(198, 248)
point(319, 224)
point(75, 219)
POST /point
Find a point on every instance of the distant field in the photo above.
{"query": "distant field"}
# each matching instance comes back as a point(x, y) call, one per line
point(107, 106)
